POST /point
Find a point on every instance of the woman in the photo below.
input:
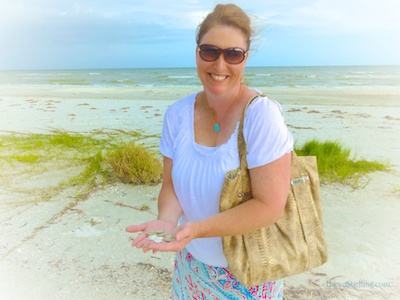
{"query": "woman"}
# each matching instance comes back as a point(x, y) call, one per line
point(199, 144)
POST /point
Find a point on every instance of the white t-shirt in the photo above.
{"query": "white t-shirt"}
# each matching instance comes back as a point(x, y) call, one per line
point(198, 171)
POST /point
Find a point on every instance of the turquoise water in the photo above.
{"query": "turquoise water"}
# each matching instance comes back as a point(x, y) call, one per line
point(357, 77)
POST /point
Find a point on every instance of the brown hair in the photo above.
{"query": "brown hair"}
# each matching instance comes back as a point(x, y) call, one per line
point(229, 15)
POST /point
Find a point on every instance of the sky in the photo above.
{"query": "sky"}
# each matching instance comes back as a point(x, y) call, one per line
point(98, 34)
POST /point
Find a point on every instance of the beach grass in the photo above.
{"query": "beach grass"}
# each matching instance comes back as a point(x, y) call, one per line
point(135, 164)
point(47, 164)
point(69, 159)
point(336, 163)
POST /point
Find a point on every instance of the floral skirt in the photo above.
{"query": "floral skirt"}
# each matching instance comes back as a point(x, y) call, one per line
point(194, 280)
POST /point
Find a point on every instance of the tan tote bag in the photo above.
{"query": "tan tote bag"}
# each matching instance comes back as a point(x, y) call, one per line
point(295, 243)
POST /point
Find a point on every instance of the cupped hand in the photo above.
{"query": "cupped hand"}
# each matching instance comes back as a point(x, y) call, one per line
point(183, 235)
point(142, 239)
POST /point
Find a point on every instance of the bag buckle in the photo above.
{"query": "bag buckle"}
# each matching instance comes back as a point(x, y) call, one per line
point(300, 180)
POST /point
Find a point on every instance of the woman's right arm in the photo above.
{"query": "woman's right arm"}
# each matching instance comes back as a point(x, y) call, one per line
point(169, 208)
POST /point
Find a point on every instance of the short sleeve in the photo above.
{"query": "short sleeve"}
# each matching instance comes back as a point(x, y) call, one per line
point(169, 132)
point(266, 134)
point(175, 116)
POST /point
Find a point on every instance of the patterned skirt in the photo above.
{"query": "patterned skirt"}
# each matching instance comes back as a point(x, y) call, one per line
point(194, 280)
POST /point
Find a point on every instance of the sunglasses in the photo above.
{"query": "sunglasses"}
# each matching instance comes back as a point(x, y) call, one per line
point(232, 56)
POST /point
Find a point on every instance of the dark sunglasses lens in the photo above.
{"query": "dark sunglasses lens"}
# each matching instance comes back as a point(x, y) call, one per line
point(234, 56)
point(209, 53)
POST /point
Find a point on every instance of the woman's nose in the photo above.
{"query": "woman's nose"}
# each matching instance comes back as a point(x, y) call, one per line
point(220, 63)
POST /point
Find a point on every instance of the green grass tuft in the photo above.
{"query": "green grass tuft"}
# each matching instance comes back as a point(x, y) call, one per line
point(335, 163)
point(135, 164)
point(84, 156)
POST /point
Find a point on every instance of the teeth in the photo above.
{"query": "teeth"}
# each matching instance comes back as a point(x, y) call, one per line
point(218, 77)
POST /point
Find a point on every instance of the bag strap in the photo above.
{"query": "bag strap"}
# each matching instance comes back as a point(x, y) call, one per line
point(241, 142)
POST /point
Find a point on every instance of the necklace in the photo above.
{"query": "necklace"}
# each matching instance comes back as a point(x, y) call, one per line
point(216, 125)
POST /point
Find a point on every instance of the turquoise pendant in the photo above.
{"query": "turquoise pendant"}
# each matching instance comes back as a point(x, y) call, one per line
point(216, 127)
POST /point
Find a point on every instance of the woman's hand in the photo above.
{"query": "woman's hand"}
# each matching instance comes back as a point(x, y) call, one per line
point(183, 235)
point(143, 239)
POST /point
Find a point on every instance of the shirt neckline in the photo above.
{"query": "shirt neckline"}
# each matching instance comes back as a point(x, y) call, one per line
point(204, 148)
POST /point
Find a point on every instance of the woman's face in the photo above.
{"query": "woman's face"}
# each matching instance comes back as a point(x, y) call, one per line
point(219, 77)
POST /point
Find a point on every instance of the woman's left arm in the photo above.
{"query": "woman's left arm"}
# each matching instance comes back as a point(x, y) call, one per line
point(270, 187)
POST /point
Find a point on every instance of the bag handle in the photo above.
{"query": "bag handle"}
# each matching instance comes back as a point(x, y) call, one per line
point(241, 142)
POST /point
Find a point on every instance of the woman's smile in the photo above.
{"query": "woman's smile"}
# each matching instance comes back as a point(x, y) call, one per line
point(217, 77)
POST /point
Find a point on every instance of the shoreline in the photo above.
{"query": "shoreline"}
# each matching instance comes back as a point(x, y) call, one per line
point(289, 96)
point(67, 250)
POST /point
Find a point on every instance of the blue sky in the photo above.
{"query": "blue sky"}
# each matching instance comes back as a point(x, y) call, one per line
point(49, 34)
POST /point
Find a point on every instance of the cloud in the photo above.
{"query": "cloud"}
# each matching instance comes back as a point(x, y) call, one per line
point(340, 16)
point(65, 31)
point(45, 32)
point(93, 21)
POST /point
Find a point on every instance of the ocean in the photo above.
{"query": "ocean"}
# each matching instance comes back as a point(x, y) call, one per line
point(368, 77)
point(285, 82)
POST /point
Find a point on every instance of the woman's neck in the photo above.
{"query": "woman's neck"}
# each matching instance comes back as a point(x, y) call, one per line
point(221, 103)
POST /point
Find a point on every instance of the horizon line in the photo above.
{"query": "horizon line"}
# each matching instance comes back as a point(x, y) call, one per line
point(194, 67)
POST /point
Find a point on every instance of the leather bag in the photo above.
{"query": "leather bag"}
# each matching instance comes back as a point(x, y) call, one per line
point(295, 243)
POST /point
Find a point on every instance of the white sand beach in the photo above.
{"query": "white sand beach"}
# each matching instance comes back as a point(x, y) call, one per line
point(60, 249)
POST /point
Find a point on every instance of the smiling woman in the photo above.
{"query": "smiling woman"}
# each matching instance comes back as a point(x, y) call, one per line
point(199, 145)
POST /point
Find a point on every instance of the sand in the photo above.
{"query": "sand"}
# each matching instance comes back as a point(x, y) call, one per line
point(63, 249)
